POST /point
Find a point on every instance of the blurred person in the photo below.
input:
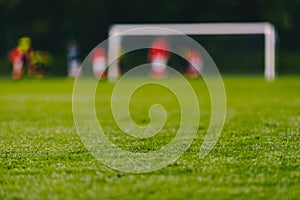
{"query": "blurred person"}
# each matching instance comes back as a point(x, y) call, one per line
point(158, 56)
point(99, 62)
point(19, 55)
point(73, 60)
point(195, 63)
point(39, 61)
point(16, 57)
point(24, 44)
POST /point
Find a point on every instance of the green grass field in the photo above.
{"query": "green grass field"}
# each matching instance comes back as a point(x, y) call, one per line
point(256, 157)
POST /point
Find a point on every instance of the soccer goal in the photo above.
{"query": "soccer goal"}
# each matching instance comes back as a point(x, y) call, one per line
point(118, 31)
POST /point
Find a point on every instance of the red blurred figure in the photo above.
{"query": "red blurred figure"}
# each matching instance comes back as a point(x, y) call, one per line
point(16, 57)
point(158, 56)
point(99, 62)
point(195, 63)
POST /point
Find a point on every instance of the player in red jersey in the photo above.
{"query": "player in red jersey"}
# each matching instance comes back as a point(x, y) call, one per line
point(158, 56)
point(19, 55)
point(195, 63)
point(16, 57)
point(99, 62)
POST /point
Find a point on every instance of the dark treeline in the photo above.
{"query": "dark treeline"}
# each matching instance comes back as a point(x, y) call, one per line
point(51, 24)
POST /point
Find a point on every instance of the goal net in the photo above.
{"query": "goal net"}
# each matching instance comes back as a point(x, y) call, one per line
point(227, 43)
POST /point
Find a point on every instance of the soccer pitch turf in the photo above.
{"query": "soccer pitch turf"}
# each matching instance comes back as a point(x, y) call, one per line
point(257, 155)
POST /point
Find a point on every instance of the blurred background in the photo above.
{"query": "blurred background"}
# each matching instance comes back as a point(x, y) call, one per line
point(52, 25)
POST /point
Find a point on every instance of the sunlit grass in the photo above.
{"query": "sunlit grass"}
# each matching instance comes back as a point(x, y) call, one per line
point(257, 155)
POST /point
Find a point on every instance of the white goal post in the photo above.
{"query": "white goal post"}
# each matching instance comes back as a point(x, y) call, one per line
point(118, 30)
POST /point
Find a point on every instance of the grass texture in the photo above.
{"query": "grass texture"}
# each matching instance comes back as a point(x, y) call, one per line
point(256, 157)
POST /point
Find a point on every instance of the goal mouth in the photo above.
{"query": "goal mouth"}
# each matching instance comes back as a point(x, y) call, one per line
point(118, 31)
